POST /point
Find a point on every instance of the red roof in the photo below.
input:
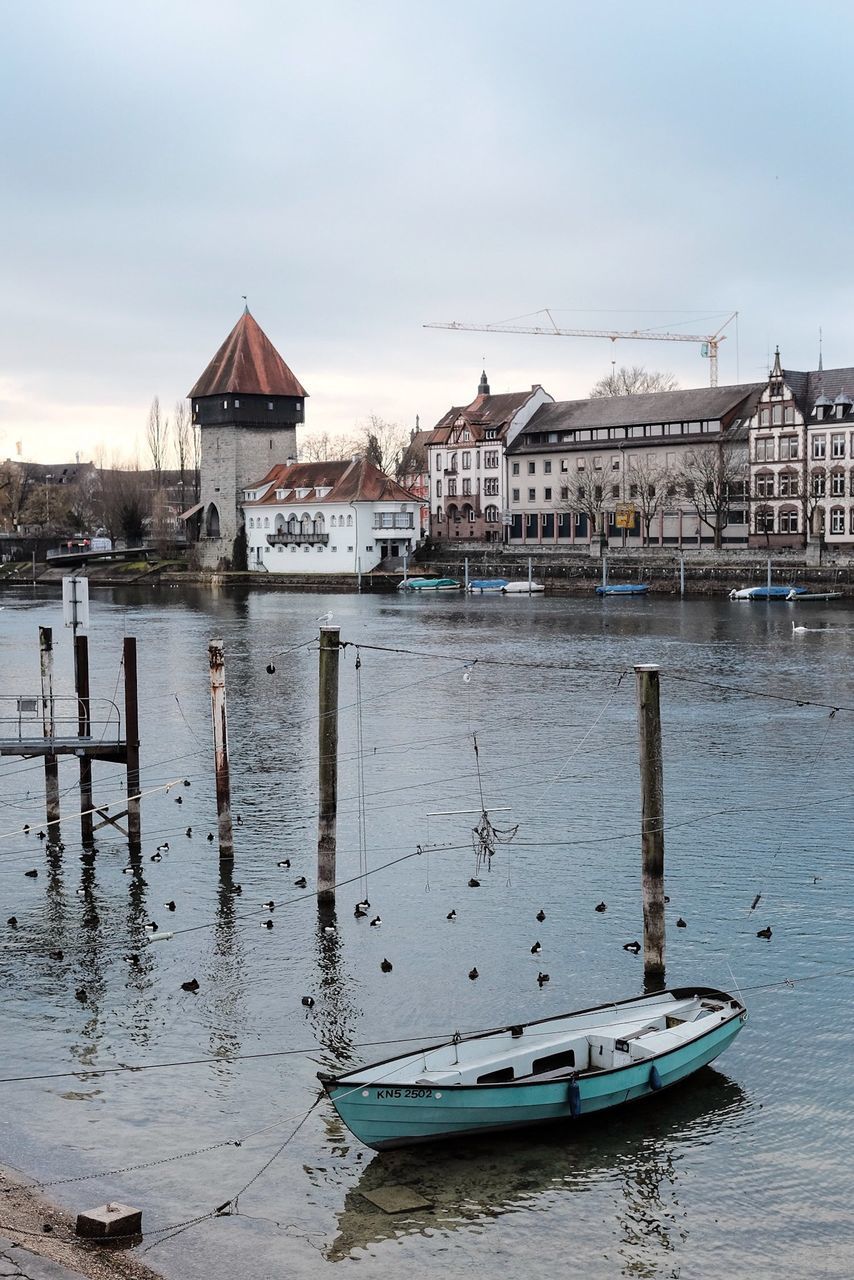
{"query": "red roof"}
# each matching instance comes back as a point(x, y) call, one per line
point(354, 481)
point(247, 362)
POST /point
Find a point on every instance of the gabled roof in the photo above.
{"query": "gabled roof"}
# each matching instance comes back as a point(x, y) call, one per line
point(414, 457)
point(807, 387)
point(494, 412)
point(355, 481)
point(247, 362)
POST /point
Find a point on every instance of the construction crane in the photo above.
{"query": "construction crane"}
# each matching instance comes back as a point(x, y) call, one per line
point(709, 342)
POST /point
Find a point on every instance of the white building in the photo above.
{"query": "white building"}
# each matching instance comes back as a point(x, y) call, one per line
point(468, 496)
point(328, 517)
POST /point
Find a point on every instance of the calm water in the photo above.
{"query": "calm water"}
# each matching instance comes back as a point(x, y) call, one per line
point(745, 1169)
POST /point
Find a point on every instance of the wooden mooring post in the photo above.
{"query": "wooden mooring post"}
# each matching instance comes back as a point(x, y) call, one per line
point(652, 825)
point(219, 721)
point(132, 743)
point(327, 763)
point(51, 763)
point(84, 730)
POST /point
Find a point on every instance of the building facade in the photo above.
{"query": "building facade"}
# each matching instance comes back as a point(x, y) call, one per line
point(802, 459)
point(466, 452)
point(668, 468)
point(248, 405)
point(328, 517)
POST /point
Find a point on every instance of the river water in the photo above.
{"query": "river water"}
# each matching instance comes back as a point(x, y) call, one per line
point(744, 1170)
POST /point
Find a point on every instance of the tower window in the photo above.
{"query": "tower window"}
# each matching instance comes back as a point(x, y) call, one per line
point(269, 404)
point(237, 404)
point(225, 404)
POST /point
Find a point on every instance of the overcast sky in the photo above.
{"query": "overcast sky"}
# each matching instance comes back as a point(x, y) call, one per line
point(357, 169)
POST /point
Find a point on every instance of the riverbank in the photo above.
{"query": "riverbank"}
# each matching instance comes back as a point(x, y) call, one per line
point(31, 1224)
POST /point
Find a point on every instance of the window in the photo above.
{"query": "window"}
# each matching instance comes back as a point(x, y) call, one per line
point(350, 524)
point(837, 445)
point(633, 491)
point(452, 488)
point(515, 466)
point(765, 520)
point(765, 450)
point(438, 488)
point(369, 547)
point(789, 484)
point(564, 494)
point(251, 523)
point(470, 511)
point(452, 462)
point(270, 404)
point(777, 415)
point(491, 515)
point(564, 465)
point(225, 404)
point(765, 485)
point(465, 434)
point(837, 520)
point(789, 413)
point(547, 495)
point(788, 448)
point(532, 468)
point(547, 467)
point(515, 495)
point(819, 484)
point(490, 486)
point(819, 446)
point(597, 462)
point(438, 462)
point(788, 522)
point(440, 515)
point(490, 459)
point(615, 464)
point(581, 463)
point(765, 418)
point(466, 488)
point(490, 433)
point(532, 495)
point(837, 483)
point(466, 460)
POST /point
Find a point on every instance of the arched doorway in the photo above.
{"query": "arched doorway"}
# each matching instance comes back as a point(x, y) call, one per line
point(212, 521)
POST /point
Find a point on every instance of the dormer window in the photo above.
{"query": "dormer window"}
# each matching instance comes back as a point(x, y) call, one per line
point(465, 434)
point(225, 404)
point(270, 404)
point(237, 404)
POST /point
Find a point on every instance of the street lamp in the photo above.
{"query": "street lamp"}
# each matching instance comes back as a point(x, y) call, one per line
point(47, 481)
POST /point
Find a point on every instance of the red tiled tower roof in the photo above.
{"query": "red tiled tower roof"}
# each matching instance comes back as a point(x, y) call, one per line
point(247, 362)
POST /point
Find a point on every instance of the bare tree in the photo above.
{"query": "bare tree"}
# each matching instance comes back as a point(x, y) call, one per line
point(588, 497)
point(196, 445)
point(383, 443)
point(157, 439)
point(648, 485)
point(321, 446)
point(712, 477)
point(183, 445)
point(123, 503)
point(17, 481)
point(635, 381)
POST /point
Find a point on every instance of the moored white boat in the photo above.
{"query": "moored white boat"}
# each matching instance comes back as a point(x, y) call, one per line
point(767, 593)
point(479, 585)
point(522, 588)
point(537, 1073)
point(813, 595)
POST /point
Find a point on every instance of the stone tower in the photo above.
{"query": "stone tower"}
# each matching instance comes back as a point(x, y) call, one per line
point(248, 405)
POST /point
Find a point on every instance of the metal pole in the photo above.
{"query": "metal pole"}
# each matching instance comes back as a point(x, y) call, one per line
point(132, 744)
point(530, 574)
point(405, 562)
point(84, 730)
point(467, 573)
point(34, 568)
point(604, 571)
point(219, 721)
point(681, 575)
point(769, 575)
point(51, 764)
point(652, 825)
point(328, 763)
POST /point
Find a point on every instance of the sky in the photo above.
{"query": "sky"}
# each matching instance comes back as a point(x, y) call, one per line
point(359, 169)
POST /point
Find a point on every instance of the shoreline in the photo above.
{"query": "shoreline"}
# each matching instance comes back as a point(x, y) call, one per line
point(25, 1212)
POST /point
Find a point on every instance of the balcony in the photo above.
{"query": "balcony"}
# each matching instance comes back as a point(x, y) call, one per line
point(394, 521)
point(284, 539)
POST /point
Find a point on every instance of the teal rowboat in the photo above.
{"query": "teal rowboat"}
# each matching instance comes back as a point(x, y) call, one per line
point(555, 1069)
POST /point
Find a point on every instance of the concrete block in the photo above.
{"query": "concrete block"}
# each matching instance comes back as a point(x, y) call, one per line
point(108, 1221)
point(396, 1199)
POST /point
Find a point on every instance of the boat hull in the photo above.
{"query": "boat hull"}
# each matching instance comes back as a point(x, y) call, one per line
point(480, 585)
point(387, 1116)
point(767, 593)
point(523, 588)
point(623, 589)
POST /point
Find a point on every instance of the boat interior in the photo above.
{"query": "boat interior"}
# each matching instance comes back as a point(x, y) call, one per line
point(600, 1040)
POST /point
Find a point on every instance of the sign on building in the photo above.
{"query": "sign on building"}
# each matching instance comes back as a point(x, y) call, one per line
point(626, 515)
point(75, 602)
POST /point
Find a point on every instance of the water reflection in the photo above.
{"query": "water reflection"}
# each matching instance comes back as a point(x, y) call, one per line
point(469, 1183)
point(336, 1011)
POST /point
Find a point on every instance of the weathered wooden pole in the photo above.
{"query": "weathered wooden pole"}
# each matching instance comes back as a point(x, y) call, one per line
point(220, 738)
point(51, 764)
point(84, 730)
point(328, 763)
point(681, 575)
point(652, 825)
point(132, 744)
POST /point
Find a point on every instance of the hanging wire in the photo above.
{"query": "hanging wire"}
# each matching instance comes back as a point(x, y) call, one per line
point(486, 836)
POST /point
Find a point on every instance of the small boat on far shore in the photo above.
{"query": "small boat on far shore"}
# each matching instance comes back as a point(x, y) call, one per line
point(623, 589)
point(800, 594)
point(430, 584)
point(767, 593)
point(522, 588)
point(487, 584)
